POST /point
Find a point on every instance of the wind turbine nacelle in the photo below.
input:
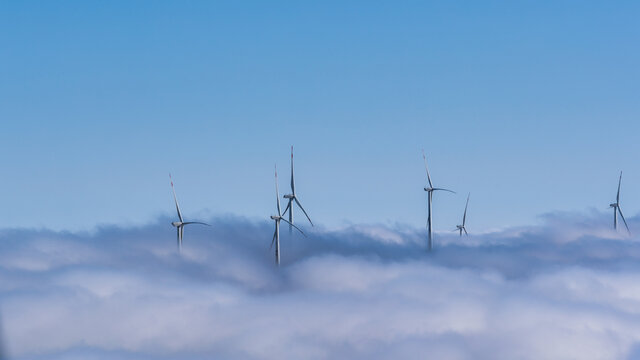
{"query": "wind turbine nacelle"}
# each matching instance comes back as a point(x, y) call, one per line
point(274, 217)
point(613, 205)
point(427, 189)
point(288, 196)
point(459, 227)
point(176, 223)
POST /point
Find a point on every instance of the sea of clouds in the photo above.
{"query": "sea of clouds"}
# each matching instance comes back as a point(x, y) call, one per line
point(567, 288)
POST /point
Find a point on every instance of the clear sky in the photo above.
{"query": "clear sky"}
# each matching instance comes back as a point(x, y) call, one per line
point(531, 106)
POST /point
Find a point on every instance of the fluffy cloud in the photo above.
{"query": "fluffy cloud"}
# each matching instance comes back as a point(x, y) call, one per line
point(566, 289)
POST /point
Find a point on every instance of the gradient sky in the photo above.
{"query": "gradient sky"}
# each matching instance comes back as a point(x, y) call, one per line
point(531, 106)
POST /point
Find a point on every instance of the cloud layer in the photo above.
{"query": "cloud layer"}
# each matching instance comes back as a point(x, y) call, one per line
point(568, 288)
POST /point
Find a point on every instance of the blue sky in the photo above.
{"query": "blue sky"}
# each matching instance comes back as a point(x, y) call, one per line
point(532, 107)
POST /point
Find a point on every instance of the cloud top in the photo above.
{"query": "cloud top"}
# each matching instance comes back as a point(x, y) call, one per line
point(568, 288)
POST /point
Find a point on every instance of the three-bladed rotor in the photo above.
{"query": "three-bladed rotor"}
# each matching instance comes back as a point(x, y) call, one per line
point(277, 219)
point(430, 187)
point(616, 208)
point(462, 227)
point(179, 225)
point(293, 198)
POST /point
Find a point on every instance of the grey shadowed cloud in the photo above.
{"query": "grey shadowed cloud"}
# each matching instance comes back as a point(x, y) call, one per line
point(568, 288)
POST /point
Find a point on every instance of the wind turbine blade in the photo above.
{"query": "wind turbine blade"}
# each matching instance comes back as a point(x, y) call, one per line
point(277, 192)
point(175, 198)
point(465, 231)
point(464, 217)
point(195, 222)
point(287, 208)
point(305, 213)
point(293, 184)
point(451, 191)
point(618, 195)
point(426, 168)
point(625, 221)
point(297, 228)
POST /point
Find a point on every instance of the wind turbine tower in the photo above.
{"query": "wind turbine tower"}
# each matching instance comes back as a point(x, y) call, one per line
point(616, 208)
point(462, 227)
point(276, 219)
point(430, 189)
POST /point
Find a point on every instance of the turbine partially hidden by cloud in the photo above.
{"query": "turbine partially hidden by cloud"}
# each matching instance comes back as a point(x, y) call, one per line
point(616, 208)
point(430, 189)
point(179, 225)
point(566, 289)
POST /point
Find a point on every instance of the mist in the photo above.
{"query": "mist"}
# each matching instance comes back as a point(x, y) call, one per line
point(565, 288)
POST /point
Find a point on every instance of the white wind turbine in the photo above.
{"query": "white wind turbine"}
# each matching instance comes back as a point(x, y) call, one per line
point(277, 218)
point(179, 225)
point(461, 228)
point(292, 197)
point(430, 189)
point(616, 208)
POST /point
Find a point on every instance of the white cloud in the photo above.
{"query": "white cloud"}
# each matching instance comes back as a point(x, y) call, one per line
point(566, 289)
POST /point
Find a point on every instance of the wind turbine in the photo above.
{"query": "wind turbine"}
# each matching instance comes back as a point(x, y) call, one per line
point(461, 228)
point(616, 208)
point(292, 197)
point(277, 218)
point(179, 225)
point(430, 189)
